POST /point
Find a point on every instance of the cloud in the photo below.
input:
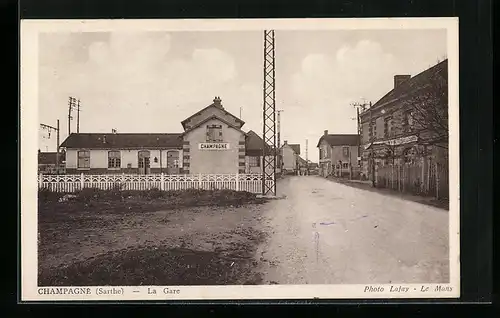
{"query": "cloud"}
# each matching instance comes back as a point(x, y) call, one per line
point(362, 68)
point(204, 73)
point(351, 73)
point(130, 81)
point(136, 49)
point(327, 84)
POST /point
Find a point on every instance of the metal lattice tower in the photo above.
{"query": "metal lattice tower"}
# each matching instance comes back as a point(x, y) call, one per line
point(269, 118)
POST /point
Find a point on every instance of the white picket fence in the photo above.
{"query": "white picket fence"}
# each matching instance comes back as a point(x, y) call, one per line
point(71, 183)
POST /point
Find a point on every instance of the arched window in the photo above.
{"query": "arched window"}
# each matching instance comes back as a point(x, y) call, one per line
point(114, 159)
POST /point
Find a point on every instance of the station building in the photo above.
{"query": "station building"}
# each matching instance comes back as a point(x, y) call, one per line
point(212, 142)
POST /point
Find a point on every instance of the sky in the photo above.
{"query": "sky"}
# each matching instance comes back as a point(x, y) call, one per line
point(151, 81)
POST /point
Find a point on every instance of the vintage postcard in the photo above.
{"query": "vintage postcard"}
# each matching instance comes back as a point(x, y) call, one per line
point(239, 159)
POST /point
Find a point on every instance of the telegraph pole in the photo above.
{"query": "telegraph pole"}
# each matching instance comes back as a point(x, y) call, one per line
point(57, 148)
point(372, 138)
point(280, 157)
point(363, 107)
point(74, 104)
point(78, 117)
point(307, 155)
point(279, 126)
point(70, 107)
point(358, 123)
point(49, 129)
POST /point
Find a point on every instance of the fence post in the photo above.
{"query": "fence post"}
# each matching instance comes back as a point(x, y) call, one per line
point(422, 176)
point(399, 178)
point(403, 177)
point(392, 177)
point(162, 182)
point(437, 181)
point(199, 180)
point(429, 168)
point(82, 181)
point(237, 181)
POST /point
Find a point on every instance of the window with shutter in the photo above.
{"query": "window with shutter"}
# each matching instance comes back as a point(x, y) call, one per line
point(345, 151)
point(214, 133)
point(254, 161)
point(84, 159)
point(114, 160)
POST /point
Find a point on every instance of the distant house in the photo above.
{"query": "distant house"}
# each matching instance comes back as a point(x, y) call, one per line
point(301, 162)
point(253, 150)
point(47, 162)
point(338, 153)
point(213, 142)
point(290, 153)
point(313, 168)
point(302, 165)
point(313, 165)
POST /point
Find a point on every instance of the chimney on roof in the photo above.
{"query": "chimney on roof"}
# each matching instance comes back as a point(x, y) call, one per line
point(218, 101)
point(326, 132)
point(399, 79)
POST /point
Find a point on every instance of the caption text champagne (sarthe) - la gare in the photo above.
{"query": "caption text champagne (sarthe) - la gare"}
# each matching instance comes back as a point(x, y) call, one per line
point(103, 291)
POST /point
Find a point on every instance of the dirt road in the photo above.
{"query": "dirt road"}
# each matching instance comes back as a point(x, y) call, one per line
point(329, 233)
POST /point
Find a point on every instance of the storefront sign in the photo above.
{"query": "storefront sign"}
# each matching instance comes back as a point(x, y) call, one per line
point(214, 146)
point(397, 141)
point(402, 140)
point(394, 142)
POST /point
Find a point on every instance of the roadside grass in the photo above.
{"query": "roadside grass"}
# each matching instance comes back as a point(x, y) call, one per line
point(73, 225)
point(190, 197)
point(157, 266)
point(95, 201)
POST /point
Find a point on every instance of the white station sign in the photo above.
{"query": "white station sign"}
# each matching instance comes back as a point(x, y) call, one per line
point(214, 146)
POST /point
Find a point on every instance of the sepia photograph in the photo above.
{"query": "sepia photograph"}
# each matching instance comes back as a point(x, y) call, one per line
point(254, 159)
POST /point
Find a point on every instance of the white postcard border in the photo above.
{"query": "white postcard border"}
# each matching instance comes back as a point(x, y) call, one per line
point(29, 139)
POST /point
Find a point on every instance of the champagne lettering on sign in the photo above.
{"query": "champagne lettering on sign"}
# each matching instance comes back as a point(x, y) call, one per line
point(214, 146)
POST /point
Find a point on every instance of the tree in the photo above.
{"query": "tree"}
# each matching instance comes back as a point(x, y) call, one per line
point(390, 152)
point(427, 110)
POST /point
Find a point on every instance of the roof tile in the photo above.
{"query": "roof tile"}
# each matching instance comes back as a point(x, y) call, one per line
point(123, 140)
point(340, 139)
